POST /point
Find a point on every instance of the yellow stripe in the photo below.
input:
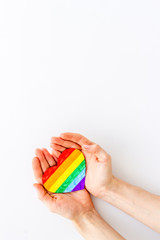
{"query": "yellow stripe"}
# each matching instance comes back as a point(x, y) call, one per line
point(67, 173)
point(67, 162)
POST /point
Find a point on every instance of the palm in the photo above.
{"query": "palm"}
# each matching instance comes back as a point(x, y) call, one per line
point(69, 204)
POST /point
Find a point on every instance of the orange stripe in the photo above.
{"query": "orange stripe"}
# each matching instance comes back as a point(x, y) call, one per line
point(68, 161)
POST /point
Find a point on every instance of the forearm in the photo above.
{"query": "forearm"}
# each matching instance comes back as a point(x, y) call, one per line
point(136, 202)
point(92, 227)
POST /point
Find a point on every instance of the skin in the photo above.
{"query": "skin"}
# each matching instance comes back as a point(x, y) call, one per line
point(98, 162)
point(100, 182)
point(67, 205)
point(76, 206)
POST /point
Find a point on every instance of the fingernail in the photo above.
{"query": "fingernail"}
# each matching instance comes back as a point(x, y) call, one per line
point(86, 146)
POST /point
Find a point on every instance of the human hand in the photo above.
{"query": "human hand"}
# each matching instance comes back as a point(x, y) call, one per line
point(70, 205)
point(77, 206)
point(98, 162)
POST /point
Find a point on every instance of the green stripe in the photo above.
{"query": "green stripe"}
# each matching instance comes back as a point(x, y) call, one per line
point(70, 179)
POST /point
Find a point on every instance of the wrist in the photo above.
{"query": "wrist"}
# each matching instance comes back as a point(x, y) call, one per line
point(92, 227)
point(84, 216)
point(82, 221)
point(111, 189)
point(108, 188)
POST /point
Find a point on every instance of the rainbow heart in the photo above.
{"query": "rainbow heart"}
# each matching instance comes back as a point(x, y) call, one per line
point(69, 173)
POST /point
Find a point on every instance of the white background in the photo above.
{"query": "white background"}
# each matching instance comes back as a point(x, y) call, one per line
point(89, 66)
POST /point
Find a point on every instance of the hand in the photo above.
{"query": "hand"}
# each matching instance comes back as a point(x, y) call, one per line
point(136, 202)
point(77, 206)
point(70, 205)
point(98, 162)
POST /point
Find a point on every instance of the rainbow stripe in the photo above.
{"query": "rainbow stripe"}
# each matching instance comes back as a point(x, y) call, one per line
point(69, 175)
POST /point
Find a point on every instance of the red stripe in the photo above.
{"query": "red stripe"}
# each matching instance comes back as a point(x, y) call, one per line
point(65, 154)
point(48, 173)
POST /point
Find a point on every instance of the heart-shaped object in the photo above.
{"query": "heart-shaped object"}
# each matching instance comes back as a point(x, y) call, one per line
point(69, 173)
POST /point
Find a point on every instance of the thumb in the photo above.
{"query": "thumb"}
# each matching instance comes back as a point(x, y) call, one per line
point(87, 147)
point(99, 152)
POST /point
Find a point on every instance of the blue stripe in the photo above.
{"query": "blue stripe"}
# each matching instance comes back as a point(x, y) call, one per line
point(72, 185)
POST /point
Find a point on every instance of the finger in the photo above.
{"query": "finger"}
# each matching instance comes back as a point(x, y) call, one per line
point(75, 137)
point(49, 157)
point(37, 170)
point(42, 159)
point(44, 196)
point(65, 143)
point(57, 147)
point(100, 153)
point(55, 158)
point(56, 153)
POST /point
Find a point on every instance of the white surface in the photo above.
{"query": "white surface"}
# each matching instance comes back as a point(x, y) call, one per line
point(83, 66)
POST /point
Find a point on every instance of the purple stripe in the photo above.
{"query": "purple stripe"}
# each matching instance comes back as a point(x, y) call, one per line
point(80, 185)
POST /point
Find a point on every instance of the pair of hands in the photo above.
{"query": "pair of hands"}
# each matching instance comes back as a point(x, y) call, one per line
point(98, 175)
